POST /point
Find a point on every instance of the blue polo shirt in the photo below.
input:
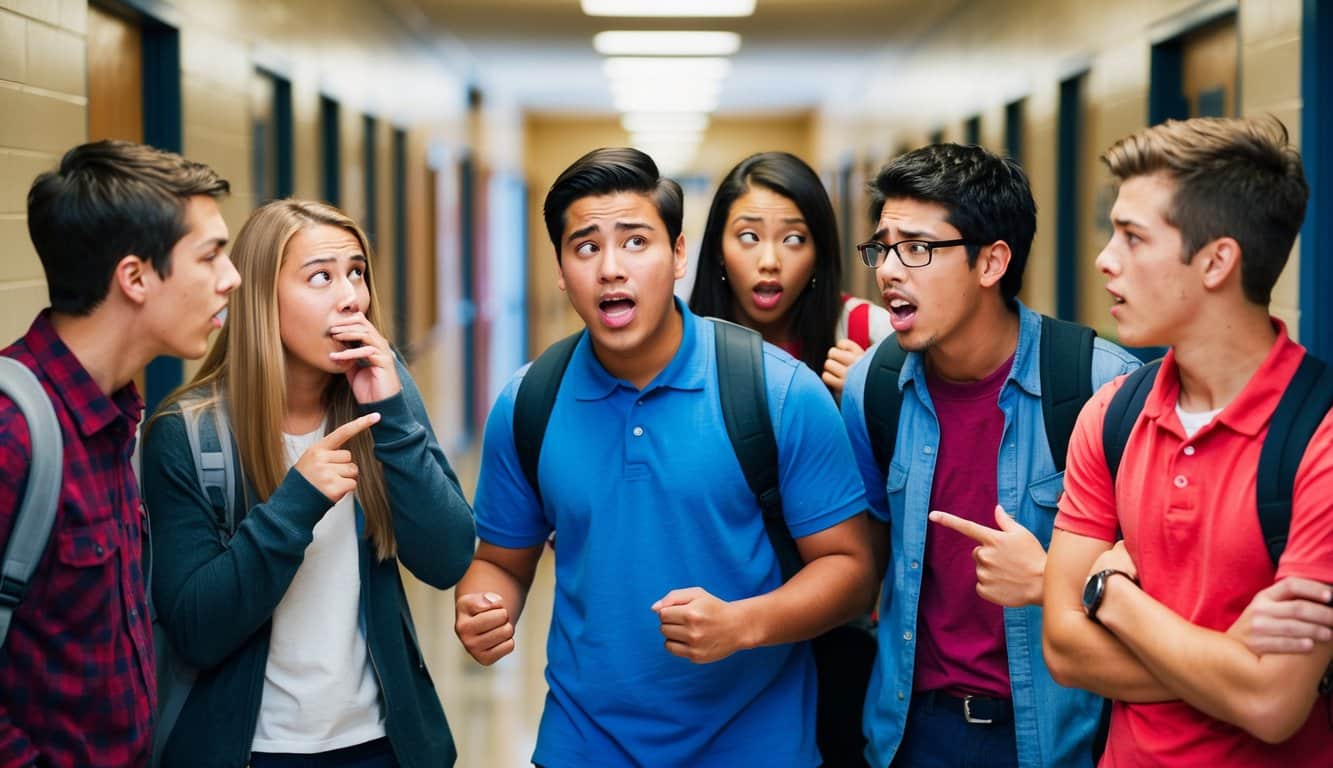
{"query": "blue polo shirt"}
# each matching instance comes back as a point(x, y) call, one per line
point(648, 496)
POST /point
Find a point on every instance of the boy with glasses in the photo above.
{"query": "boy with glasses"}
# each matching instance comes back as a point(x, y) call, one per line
point(959, 679)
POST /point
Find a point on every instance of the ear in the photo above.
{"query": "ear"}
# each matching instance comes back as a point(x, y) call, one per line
point(559, 273)
point(680, 261)
point(993, 262)
point(130, 278)
point(1218, 261)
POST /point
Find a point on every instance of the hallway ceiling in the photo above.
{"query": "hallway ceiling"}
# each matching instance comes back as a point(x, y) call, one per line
point(795, 54)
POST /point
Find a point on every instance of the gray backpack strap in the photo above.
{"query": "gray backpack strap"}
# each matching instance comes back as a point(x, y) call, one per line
point(208, 431)
point(37, 512)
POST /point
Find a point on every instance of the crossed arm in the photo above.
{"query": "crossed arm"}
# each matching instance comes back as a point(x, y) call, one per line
point(1143, 651)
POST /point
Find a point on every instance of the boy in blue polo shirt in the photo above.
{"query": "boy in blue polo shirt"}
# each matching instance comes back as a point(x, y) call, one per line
point(674, 640)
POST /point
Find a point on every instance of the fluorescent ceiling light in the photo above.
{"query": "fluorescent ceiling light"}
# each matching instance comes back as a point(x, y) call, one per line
point(655, 68)
point(658, 139)
point(628, 43)
point(645, 8)
point(689, 122)
point(675, 100)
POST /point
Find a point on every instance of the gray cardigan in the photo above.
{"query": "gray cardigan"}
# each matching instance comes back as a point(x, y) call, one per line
point(216, 599)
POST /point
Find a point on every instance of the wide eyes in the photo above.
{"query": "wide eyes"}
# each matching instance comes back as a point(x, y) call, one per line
point(323, 277)
point(794, 240)
point(590, 247)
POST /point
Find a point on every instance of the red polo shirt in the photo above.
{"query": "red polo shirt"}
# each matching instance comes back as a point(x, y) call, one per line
point(1186, 507)
point(77, 670)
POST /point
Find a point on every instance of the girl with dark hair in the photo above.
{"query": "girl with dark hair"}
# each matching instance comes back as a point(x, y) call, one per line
point(770, 260)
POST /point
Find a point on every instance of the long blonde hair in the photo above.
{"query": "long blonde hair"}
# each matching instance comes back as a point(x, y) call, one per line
point(247, 364)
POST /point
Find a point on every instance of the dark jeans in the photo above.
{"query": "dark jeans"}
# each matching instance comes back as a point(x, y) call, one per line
point(937, 736)
point(372, 754)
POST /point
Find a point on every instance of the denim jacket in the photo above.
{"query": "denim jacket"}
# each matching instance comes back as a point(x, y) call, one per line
point(1053, 725)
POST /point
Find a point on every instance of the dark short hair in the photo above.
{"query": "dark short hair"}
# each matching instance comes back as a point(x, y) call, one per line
point(106, 201)
point(815, 312)
point(607, 171)
point(1234, 177)
point(988, 198)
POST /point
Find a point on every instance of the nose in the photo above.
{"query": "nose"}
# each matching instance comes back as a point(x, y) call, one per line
point(349, 298)
point(769, 260)
point(612, 267)
point(229, 279)
point(1106, 262)
point(891, 270)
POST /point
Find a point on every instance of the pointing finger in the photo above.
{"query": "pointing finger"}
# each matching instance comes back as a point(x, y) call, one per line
point(341, 435)
point(978, 533)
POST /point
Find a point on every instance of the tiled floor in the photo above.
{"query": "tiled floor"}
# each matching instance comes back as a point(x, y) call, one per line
point(493, 711)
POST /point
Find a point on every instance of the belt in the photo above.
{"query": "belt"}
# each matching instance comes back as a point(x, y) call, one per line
point(976, 710)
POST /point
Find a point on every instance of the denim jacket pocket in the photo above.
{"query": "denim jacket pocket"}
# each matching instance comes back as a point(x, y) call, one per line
point(1046, 492)
point(897, 479)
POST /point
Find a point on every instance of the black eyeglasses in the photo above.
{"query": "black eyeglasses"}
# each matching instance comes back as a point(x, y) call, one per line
point(912, 253)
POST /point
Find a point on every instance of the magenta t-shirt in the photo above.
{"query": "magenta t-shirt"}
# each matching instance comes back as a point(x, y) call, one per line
point(960, 637)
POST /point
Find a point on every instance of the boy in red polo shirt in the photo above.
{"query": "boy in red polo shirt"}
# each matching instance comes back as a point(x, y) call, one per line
point(1207, 212)
point(132, 244)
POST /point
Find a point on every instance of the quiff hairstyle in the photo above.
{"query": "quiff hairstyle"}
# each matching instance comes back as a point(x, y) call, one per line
point(1234, 177)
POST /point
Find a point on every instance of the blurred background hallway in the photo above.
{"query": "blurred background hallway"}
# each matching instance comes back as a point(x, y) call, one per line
point(439, 125)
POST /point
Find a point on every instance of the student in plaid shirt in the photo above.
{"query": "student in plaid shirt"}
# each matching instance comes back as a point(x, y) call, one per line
point(132, 243)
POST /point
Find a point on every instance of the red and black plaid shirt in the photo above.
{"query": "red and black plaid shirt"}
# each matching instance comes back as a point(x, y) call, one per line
point(76, 671)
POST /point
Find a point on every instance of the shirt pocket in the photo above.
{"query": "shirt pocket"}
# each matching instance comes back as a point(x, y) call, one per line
point(86, 584)
point(1047, 491)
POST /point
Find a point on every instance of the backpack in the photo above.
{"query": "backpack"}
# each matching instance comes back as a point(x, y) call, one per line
point(1306, 400)
point(208, 432)
point(844, 655)
point(1064, 355)
point(37, 511)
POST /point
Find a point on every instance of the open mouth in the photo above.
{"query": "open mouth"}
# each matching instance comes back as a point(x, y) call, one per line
point(901, 313)
point(616, 311)
point(219, 318)
point(767, 295)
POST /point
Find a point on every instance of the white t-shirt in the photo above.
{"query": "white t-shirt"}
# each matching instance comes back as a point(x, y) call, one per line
point(320, 692)
point(1192, 421)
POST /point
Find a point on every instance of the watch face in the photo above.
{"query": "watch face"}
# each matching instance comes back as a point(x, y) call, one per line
point(1092, 590)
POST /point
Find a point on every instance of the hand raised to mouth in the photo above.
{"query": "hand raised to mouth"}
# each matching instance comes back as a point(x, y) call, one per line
point(369, 360)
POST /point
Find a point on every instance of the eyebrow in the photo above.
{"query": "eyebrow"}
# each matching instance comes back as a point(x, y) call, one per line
point(759, 219)
point(620, 225)
point(1121, 221)
point(212, 243)
point(907, 234)
point(331, 260)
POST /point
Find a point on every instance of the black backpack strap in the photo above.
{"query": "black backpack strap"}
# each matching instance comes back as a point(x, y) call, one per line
point(1123, 412)
point(533, 404)
point(883, 401)
point(744, 400)
point(1065, 361)
point(1304, 404)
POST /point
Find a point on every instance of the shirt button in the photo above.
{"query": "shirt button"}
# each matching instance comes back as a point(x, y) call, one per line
point(907, 636)
point(927, 450)
point(134, 614)
point(639, 402)
point(900, 696)
point(1189, 450)
point(915, 564)
point(638, 431)
point(99, 549)
point(1180, 481)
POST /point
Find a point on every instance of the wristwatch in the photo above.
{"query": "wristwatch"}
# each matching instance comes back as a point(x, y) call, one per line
point(1095, 589)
